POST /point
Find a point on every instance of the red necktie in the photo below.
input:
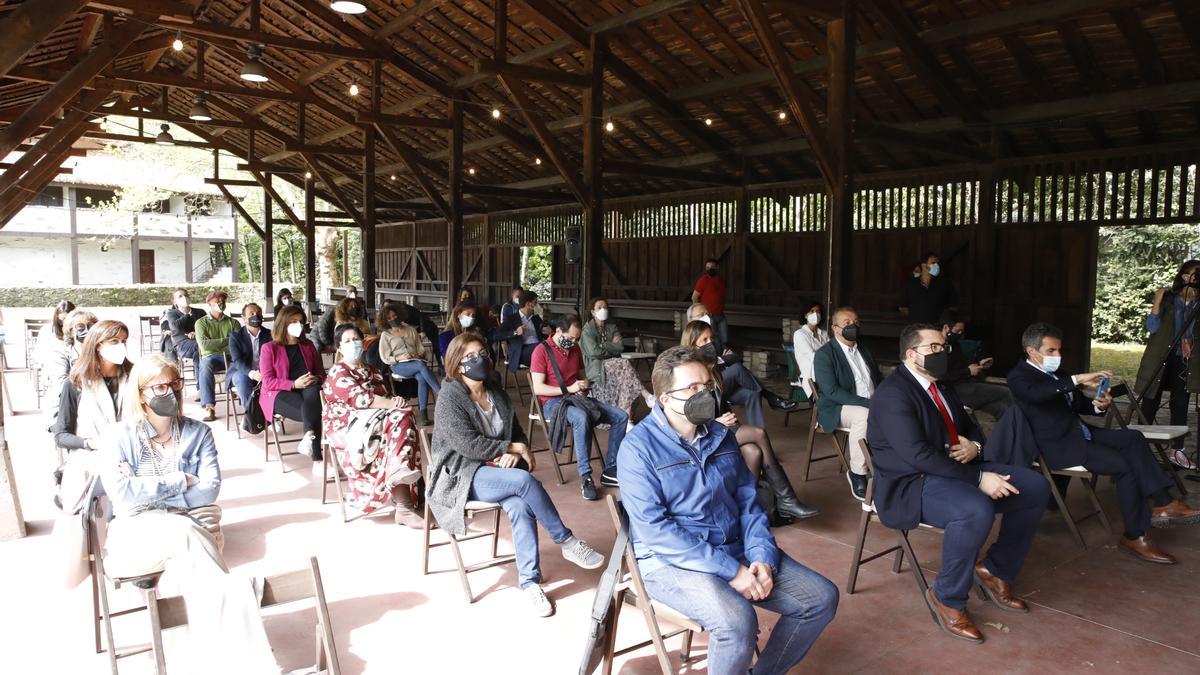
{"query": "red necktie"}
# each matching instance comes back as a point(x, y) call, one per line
point(946, 417)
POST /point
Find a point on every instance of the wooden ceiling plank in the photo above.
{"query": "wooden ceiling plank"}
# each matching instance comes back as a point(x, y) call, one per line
point(29, 24)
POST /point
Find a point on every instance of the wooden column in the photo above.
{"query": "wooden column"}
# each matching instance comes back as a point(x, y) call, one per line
point(983, 248)
point(75, 237)
point(187, 252)
point(454, 229)
point(841, 43)
point(135, 243)
point(368, 196)
point(310, 247)
point(593, 149)
point(736, 269)
point(268, 244)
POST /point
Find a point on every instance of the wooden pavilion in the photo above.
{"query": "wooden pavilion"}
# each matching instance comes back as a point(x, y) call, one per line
point(816, 146)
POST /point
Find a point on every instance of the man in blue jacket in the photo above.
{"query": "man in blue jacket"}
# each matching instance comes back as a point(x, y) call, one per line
point(244, 346)
point(929, 468)
point(699, 534)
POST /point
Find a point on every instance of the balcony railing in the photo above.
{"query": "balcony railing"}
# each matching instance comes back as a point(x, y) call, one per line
point(92, 222)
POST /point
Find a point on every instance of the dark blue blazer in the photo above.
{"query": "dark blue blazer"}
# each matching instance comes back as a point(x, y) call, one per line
point(1053, 420)
point(507, 333)
point(241, 345)
point(909, 440)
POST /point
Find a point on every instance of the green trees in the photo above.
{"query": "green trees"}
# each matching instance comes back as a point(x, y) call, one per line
point(1133, 263)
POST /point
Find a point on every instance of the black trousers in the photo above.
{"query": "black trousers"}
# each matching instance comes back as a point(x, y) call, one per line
point(1125, 455)
point(304, 406)
point(992, 399)
point(1174, 380)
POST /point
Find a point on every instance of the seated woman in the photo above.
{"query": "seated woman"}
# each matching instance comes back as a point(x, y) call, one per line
point(482, 319)
point(292, 373)
point(348, 310)
point(50, 337)
point(389, 475)
point(480, 452)
point(282, 299)
point(91, 398)
point(56, 362)
point(160, 472)
point(614, 379)
point(806, 341)
point(402, 350)
point(753, 441)
point(463, 318)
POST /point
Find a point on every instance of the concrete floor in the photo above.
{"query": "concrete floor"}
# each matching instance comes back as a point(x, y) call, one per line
point(1093, 610)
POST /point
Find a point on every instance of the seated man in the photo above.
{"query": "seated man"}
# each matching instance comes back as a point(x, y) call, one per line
point(244, 346)
point(741, 386)
point(846, 377)
point(179, 322)
point(699, 534)
point(522, 330)
point(563, 347)
point(929, 468)
point(992, 399)
point(1052, 405)
point(212, 336)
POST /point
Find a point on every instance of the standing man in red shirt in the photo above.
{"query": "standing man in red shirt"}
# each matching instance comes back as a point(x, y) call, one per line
point(710, 291)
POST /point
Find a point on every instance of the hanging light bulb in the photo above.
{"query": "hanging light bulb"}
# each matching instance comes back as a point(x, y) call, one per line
point(708, 121)
point(782, 115)
point(354, 89)
point(537, 161)
point(253, 69)
point(177, 45)
point(609, 126)
point(392, 177)
point(347, 6)
point(495, 113)
point(471, 171)
point(199, 111)
point(164, 137)
point(307, 175)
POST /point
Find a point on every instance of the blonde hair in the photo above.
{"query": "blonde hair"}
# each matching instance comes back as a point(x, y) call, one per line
point(145, 370)
point(693, 311)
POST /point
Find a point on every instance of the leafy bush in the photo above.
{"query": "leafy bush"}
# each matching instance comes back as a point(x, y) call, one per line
point(1133, 263)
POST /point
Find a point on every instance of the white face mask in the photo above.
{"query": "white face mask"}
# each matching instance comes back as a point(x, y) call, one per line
point(602, 314)
point(352, 295)
point(1051, 363)
point(351, 351)
point(216, 310)
point(114, 353)
point(286, 301)
point(466, 320)
point(813, 318)
point(935, 269)
point(183, 304)
point(705, 319)
point(295, 329)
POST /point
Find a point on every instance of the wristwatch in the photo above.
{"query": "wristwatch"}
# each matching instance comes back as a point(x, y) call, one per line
point(979, 447)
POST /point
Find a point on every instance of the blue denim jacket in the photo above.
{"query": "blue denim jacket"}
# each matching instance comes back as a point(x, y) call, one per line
point(134, 494)
point(693, 506)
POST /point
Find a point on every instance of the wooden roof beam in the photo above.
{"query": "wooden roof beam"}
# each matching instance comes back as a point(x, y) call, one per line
point(163, 9)
point(323, 149)
point(550, 145)
point(29, 24)
point(401, 120)
point(410, 158)
point(622, 168)
point(237, 206)
point(532, 73)
point(330, 184)
point(269, 39)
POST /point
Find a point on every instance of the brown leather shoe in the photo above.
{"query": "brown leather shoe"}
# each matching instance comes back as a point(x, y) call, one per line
point(1175, 513)
point(998, 590)
point(1146, 550)
point(210, 413)
point(954, 621)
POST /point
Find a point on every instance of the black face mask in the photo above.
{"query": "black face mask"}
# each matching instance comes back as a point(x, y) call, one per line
point(165, 405)
point(81, 333)
point(700, 408)
point(712, 273)
point(477, 368)
point(395, 323)
point(709, 350)
point(254, 321)
point(566, 343)
point(937, 364)
point(850, 333)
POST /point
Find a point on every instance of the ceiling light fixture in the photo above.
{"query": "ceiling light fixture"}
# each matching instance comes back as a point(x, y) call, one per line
point(495, 113)
point(609, 126)
point(537, 161)
point(164, 137)
point(253, 69)
point(392, 177)
point(199, 111)
point(347, 6)
point(307, 175)
point(354, 89)
point(782, 115)
point(708, 121)
point(471, 171)
point(177, 45)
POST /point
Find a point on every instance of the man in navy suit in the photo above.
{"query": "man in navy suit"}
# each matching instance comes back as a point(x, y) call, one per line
point(929, 468)
point(244, 346)
point(1052, 404)
point(522, 330)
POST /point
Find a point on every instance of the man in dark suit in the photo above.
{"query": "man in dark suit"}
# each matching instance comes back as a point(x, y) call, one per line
point(522, 330)
point(846, 376)
point(929, 468)
point(1052, 404)
point(244, 346)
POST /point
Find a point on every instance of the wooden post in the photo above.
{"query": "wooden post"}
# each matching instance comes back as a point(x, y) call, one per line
point(593, 148)
point(736, 269)
point(268, 244)
point(486, 252)
point(454, 229)
point(368, 197)
point(187, 253)
point(75, 238)
point(310, 248)
point(841, 43)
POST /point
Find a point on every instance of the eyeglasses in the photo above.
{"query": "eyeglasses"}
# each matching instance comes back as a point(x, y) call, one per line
point(934, 348)
point(692, 390)
point(160, 389)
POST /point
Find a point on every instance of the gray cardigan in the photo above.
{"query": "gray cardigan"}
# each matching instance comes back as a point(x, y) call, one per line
point(460, 447)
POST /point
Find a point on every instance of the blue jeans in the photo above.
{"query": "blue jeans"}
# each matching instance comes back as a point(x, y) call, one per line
point(526, 503)
point(805, 601)
point(582, 432)
point(426, 380)
point(241, 382)
point(967, 516)
point(206, 376)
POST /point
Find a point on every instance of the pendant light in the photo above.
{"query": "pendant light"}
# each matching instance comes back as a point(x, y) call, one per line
point(347, 6)
point(199, 111)
point(253, 70)
point(164, 137)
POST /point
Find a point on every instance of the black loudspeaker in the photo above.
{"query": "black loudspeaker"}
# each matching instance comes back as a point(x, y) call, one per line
point(574, 243)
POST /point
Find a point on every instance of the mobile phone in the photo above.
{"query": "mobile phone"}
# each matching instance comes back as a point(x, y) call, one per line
point(1103, 388)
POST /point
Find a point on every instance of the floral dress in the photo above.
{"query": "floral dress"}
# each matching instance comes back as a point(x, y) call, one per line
point(370, 482)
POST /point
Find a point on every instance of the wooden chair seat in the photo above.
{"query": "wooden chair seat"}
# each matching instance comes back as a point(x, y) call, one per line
point(1088, 479)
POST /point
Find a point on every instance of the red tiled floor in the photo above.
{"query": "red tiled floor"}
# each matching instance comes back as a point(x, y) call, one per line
point(1094, 610)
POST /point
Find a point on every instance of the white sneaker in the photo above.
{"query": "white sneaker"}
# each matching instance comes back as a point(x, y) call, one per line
point(577, 551)
point(537, 597)
point(305, 446)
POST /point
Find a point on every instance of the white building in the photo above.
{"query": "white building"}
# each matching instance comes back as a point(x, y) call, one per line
point(62, 238)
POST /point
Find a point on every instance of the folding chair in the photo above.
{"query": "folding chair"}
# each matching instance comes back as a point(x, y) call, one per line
point(516, 376)
point(903, 546)
point(1088, 479)
point(537, 420)
point(473, 509)
point(278, 589)
point(151, 332)
point(271, 437)
point(233, 411)
point(1159, 436)
point(326, 462)
point(797, 392)
point(840, 436)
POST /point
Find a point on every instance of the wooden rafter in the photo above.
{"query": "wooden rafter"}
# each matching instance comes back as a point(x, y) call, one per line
point(28, 25)
point(410, 159)
point(550, 145)
point(237, 206)
point(326, 177)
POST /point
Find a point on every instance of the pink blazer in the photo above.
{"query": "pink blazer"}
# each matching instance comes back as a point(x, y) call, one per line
point(273, 364)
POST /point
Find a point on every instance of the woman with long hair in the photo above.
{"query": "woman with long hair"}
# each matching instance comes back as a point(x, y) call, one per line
point(401, 348)
point(51, 335)
point(387, 472)
point(92, 396)
point(464, 317)
point(753, 441)
point(292, 373)
point(282, 299)
point(57, 362)
point(614, 380)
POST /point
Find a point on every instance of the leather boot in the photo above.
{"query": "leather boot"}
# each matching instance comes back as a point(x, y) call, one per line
point(406, 508)
point(786, 501)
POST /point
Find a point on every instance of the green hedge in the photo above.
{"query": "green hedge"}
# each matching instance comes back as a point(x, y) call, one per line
point(139, 295)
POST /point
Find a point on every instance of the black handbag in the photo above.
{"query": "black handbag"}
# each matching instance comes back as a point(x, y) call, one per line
point(254, 421)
